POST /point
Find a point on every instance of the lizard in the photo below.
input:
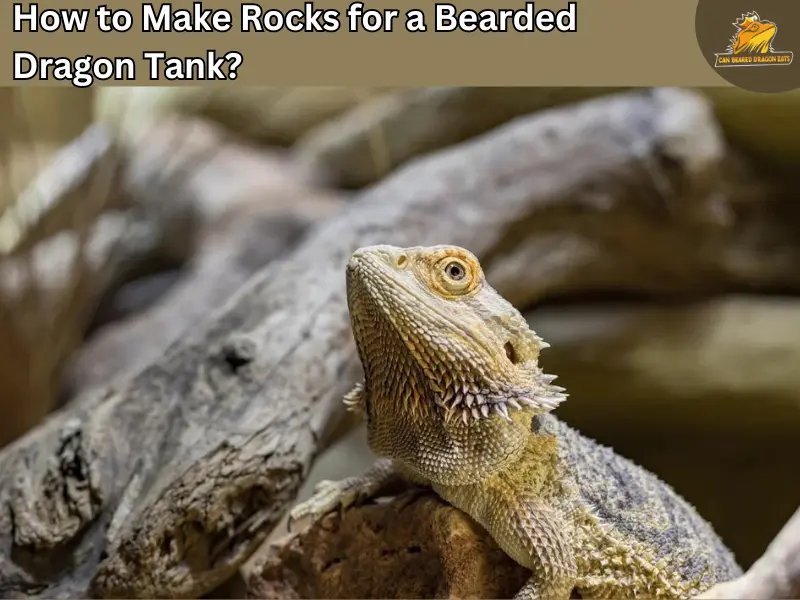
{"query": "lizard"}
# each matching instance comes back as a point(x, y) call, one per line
point(455, 400)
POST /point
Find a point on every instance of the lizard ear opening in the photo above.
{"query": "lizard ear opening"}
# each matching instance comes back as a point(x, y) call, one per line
point(511, 353)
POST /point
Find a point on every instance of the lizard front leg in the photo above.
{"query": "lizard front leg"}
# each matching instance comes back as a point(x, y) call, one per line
point(528, 530)
point(533, 535)
point(381, 478)
point(332, 495)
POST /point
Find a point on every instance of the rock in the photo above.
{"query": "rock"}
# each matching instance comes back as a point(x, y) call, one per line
point(198, 455)
point(405, 548)
point(194, 459)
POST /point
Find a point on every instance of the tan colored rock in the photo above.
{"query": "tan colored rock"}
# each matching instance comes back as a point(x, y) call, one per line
point(199, 455)
point(421, 548)
point(406, 548)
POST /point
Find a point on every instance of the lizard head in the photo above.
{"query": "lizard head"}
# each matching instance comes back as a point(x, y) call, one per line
point(433, 335)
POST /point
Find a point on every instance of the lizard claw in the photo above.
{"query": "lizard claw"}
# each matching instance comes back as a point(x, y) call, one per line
point(328, 497)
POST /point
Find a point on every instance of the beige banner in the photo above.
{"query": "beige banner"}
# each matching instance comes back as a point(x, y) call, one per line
point(583, 43)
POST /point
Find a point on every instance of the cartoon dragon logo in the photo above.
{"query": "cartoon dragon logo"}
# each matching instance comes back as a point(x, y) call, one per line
point(752, 44)
point(753, 36)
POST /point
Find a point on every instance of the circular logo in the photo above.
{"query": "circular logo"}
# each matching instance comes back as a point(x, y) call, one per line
point(751, 43)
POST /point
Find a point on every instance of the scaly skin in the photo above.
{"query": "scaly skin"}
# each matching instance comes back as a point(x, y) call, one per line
point(455, 400)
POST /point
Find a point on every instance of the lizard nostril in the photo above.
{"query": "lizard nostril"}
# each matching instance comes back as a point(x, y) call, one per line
point(401, 260)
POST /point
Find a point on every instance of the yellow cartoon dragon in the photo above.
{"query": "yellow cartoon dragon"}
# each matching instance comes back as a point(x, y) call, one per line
point(754, 36)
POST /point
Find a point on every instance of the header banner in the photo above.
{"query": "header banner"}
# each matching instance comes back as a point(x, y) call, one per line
point(750, 43)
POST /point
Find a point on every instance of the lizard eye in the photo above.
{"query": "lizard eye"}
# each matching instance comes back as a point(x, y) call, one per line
point(455, 271)
point(457, 276)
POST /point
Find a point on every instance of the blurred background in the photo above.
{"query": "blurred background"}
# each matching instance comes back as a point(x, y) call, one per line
point(127, 214)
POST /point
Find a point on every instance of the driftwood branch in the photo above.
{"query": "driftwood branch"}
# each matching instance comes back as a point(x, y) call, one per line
point(232, 208)
point(775, 575)
point(166, 484)
point(361, 145)
point(63, 243)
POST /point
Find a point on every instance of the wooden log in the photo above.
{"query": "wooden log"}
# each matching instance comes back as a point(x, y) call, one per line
point(164, 486)
point(775, 575)
point(232, 209)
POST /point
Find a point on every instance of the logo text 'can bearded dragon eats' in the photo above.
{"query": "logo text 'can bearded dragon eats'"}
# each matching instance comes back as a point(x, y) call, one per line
point(751, 45)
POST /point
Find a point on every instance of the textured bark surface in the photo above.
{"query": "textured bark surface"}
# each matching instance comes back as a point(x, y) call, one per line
point(163, 486)
point(47, 297)
point(123, 348)
point(233, 208)
point(103, 212)
point(68, 192)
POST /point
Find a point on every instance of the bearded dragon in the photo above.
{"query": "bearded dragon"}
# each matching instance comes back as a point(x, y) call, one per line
point(455, 400)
